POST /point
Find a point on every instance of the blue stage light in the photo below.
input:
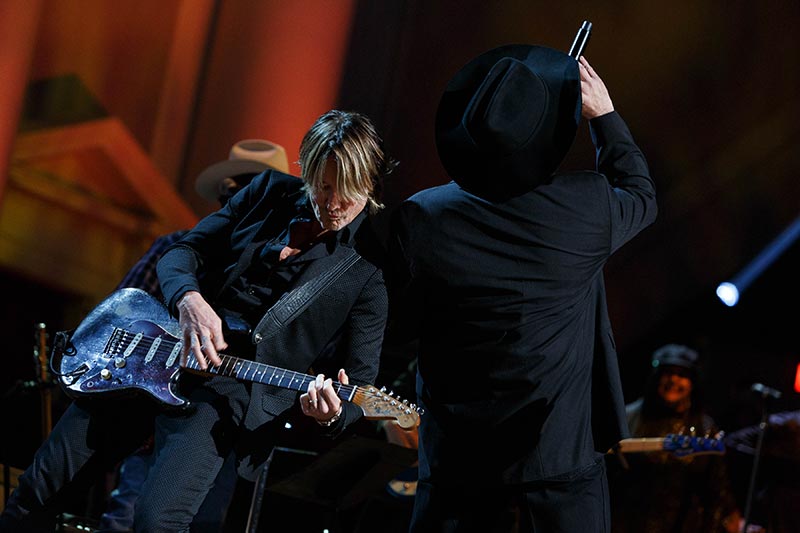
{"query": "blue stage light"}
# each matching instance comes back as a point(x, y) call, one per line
point(728, 293)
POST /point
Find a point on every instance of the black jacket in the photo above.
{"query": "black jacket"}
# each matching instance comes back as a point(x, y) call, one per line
point(347, 319)
point(517, 366)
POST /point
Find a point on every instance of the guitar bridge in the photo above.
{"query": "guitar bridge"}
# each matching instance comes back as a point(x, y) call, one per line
point(112, 347)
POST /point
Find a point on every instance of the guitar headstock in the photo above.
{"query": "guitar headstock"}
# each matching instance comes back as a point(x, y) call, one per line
point(684, 445)
point(378, 404)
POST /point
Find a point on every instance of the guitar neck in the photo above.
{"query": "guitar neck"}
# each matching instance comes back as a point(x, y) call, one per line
point(254, 371)
point(643, 444)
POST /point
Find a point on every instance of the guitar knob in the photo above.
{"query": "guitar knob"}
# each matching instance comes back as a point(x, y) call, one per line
point(105, 374)
point(119, 362)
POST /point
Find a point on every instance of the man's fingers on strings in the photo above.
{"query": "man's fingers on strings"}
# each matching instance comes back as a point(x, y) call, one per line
point(196, 347)
point(204, 347)
point(189, 346)
point(312, 398)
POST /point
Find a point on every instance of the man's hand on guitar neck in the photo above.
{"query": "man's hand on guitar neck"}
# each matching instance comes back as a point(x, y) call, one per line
point(321, 402)
point(201, 328)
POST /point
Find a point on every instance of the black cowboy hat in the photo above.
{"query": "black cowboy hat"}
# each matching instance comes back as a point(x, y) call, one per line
point(507, 119)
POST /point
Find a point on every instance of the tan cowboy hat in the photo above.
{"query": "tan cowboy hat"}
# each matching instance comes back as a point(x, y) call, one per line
point(250, 156)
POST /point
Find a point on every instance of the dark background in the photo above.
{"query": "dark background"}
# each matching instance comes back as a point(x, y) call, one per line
point(709, 90)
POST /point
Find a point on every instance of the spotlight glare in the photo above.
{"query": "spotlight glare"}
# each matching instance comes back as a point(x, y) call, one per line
point(797, 379)
point(728, 293)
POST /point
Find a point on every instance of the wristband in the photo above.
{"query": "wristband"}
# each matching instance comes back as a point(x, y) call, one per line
point(331, 420)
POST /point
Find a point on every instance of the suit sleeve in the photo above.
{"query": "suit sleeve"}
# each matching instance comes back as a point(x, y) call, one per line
point(632, 199)
point(361, 343)
point(404, 299)
point(208, 246)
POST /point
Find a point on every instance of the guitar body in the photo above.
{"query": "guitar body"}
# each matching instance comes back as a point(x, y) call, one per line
point(92, 347)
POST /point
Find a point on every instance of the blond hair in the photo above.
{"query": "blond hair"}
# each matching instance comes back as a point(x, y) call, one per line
point(351, 141)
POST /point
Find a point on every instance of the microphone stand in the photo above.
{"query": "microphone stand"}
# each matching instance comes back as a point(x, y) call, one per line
point(765, 393)
point(43, 383)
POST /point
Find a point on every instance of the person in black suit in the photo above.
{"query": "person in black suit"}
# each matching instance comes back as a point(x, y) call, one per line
point(276, 234)
point(501, 279)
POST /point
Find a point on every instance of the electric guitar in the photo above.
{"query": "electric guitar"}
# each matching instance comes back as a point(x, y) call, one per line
point(130, 343)
point(679, 445)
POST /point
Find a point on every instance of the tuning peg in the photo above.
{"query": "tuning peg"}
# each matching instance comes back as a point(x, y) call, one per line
point(383, 389)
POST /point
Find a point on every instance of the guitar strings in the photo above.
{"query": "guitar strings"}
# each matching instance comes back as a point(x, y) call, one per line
point(167, 345)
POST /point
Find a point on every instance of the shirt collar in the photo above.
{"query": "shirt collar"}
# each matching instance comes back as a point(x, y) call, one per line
point(346, 235)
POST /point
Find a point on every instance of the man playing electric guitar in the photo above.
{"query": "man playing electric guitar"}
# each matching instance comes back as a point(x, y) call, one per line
point(279, 236)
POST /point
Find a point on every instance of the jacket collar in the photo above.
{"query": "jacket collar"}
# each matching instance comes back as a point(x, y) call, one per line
point(346, 235)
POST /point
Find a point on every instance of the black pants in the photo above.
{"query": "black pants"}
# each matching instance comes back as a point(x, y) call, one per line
point(190, 449)
point(89, 439)
point(577, 505)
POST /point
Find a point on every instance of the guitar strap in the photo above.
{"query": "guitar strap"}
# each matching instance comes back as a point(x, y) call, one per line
point(297, 300)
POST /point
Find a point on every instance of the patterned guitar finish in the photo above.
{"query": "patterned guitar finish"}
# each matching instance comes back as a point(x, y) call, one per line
point(130, 343)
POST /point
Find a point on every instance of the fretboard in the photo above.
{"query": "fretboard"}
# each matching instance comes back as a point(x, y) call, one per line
point(268, 375)
point(648, 444)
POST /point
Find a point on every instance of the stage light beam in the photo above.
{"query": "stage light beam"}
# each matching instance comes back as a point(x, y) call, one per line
point(729, 291)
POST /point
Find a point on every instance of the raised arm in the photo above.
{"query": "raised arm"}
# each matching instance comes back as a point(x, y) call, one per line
point(633, 199)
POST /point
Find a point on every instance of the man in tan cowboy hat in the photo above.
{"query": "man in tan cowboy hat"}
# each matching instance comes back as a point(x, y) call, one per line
point(501, 279)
